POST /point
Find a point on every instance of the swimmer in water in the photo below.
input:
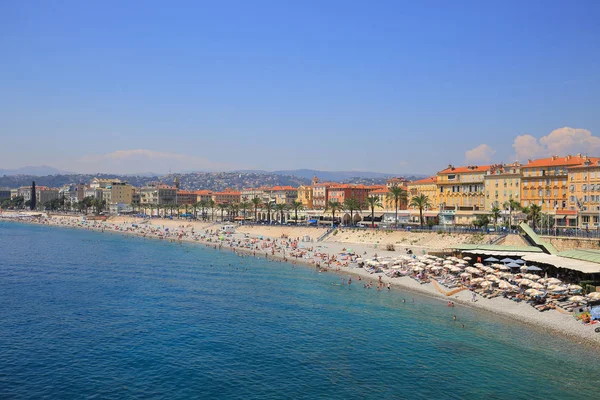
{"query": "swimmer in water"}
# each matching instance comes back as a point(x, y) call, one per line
point(454, 317)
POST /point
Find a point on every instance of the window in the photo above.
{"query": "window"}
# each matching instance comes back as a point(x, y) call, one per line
point(547, 192)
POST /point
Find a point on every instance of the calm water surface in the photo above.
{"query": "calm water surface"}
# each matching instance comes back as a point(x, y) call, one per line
point(91, 315)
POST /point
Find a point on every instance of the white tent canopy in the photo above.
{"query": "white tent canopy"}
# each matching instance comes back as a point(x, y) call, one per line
point(561, 262)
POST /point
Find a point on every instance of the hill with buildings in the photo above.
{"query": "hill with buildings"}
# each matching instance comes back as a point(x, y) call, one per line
point(340, 176)
point(190, 181)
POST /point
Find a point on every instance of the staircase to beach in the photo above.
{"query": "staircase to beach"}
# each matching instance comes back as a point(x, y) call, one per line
point(326, 234)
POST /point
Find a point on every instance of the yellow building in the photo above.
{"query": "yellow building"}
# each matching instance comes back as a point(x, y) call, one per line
point(461, 193)
point(502, 183)
point(583, 202)
point(429, 188)
point(382, 194)
point(545, 182)
point(120, 192)
point(284, 194)
point(305, 194)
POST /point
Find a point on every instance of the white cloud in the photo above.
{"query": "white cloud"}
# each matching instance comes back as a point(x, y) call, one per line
point(144, 160)
point(559, 142)
point(480, 154)
point(526, 147)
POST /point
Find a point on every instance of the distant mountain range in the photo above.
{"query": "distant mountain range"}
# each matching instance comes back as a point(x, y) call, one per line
point(335, 176)
point(40, 170)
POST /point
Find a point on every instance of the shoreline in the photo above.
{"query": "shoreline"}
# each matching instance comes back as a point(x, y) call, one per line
point(563, 324)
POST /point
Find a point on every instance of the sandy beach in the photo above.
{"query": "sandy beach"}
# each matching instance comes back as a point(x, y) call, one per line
point(291, 244)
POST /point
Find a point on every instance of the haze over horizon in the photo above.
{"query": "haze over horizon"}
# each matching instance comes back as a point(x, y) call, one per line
point(390, 87)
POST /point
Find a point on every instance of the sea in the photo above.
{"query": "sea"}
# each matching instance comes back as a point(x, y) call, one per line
point(87, 315)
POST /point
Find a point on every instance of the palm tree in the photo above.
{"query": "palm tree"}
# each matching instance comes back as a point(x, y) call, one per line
point(268, 206)
point(421, 201)
point(244, 206)
point(334, 206)
point(397, 194)
point(297, 206)
point(195, 207)
point(256, 202)
point(211, 204)
point(533, 213)
point(352, 205)
point(132, 205)
point(233, 210)
point(203, 204)
point(280, 208)
point(99, 205)
point(372, 202)
point(222, 207)
point(511, 205)
point(495, 214)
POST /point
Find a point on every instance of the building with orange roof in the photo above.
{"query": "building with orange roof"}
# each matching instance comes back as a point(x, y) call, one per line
point(396, 182)
point(461, 194)
point(160, 194)
point(428, 187)
point(502, 184)
point(186, 197)
point(203, 195)
point(305, 196)
point(341, 192)
point(321, 194)
point(228, 196)
point(583, 201)
point(546, 182)
point(284, 194)
point(381, 192)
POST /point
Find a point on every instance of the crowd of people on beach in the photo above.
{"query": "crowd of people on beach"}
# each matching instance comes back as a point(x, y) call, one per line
point(450, 274)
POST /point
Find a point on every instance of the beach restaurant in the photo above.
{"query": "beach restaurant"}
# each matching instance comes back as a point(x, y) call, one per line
point(583, 265)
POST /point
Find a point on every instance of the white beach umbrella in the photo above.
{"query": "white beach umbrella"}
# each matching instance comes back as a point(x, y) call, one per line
point(467, 258)
point(472, 270)
point(479, 265)
point(524, 282)
point(533, 292)
point(455, 269)
point(535, 285)
point(486, 284)
point(506, 286)
point(477, 280)
point(594, 295)
point(574, 287)
point(578, 299)
point(553, 281)
point(465, 275)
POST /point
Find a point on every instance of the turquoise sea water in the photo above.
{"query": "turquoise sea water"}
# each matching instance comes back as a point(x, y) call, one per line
point(92, 315)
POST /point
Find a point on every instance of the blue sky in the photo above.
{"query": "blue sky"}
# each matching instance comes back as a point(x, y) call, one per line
point(390, 86)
